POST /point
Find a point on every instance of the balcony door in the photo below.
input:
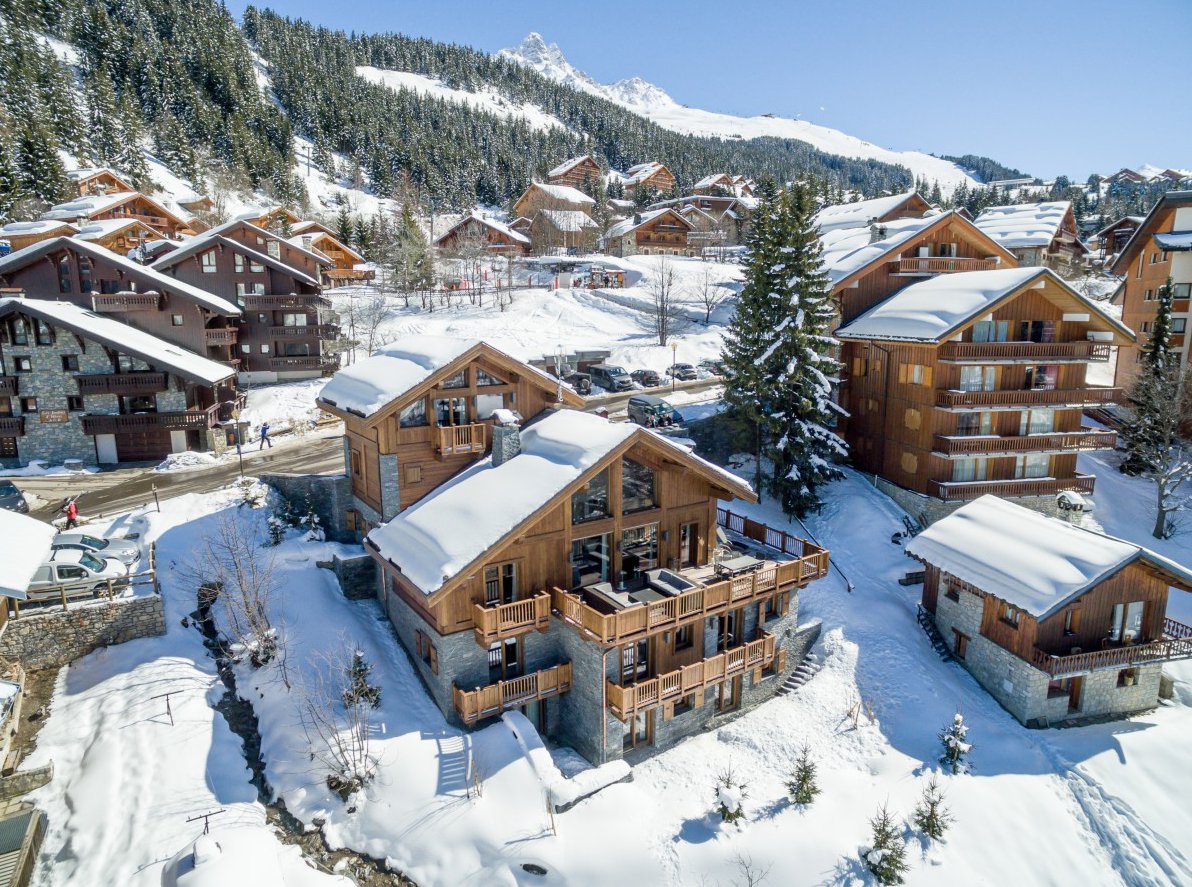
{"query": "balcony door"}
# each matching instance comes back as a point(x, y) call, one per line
point(1042, 378)
point(1036, 331)
point(978, 378)
point(1037, 422)
point(969, 469)
point(991, 331)
point(500, 583)
point(451, 411)
point(974, 424)
point(688, 545)
point(504, 660)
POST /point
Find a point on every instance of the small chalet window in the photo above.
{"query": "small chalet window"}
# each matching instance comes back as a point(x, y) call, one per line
point(245, 348)
point(1127, 677)
point(265, 349)
point(263, 319)
point(484, 379)
point(239, 263)
point(684, 638)
point(18, 332)
point(84, 274)
point(70, 363)
point(414, 416)
point(207, 261)
point(274, 249)
point(176, 320)
point(22, 364)
point(1148, 296)
point(256, 267)
point(959, 643)
point(684, 704)
point(1181, 291)
point(914, 374)
point(44, 333)
point(293, 319)
point(1154, 258)
point(859, 367)
point(1179, 324)
point(357, 465)
point(426, 650)
point(1010, 615)
point(64, 274)
point(1146, 326)
point(74, 403)
point(28, 404)
point(951, 592)
point(1072, 621)
point(459, 380)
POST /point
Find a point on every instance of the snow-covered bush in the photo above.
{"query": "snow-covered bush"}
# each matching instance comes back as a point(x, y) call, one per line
point(956, 746)
point(802, 785)
point(253, 493)
point(931, 816)
point(310, 522)
point(886, 856)
point(359, 689)
point(277, 530)
point(730, 796)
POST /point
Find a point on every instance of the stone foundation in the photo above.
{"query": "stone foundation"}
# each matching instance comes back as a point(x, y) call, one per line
point(329, 494)
point(927, 509)
point(52, 638)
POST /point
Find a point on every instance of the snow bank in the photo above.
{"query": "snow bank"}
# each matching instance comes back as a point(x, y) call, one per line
point(187, 460)
point(563, 792)
point(26, 546)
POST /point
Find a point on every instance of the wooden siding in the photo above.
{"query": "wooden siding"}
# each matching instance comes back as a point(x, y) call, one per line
point(587, 169)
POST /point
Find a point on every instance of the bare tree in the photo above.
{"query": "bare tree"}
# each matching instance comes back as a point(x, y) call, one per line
point(338, 722)
point(663, 286)
point(710, 293)
point(231, 559)
point(470, 250)
point(749, 874)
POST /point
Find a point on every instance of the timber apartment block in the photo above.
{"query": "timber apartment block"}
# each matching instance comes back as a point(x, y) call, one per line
point(564, 566)
point(96, 207)
point(1039, 234)
point(1159, 248)
point(578, 172)
point(659, 232)
point(1056, 622)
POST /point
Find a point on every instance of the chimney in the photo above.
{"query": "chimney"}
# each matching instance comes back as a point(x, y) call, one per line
point(637, 218)
point(876, 232)
point(506, 436)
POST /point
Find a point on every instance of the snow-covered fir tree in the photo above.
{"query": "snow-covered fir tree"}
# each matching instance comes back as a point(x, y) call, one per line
point(931, 816)
point(1142, 427)
point(802, 784)
point(731, 793)
point(956, 747)
point(886, 856)
point(360, 689)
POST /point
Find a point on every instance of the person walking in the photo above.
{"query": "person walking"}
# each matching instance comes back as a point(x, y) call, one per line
point(265, 437)
point(72, 514)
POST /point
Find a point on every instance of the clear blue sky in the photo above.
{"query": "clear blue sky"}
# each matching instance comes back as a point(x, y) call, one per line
point(1048, 86)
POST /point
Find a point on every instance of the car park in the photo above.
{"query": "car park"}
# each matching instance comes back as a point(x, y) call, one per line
point(610, 378)
point(76, 574)
point(652, 412)
point(12, 499)
point(123, 550)
point(684, 372)
point(646, 378)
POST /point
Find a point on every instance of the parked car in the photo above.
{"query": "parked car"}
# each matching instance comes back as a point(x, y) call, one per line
point(684, 372)
point(12, 499)
point(713, 366)
point(652, 411)
point(646, 378)
point(118, 549)
point(610, 378)
point(82, 573)
point(581, 382)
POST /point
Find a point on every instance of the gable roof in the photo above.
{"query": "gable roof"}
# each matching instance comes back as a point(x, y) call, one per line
point(161, 354)
point(716, 178)
point(207, 242)
point(305, 226)
point(568, 220)
point(499, 227)
point(258, 231)
point(1169, 200)
point(859, 214)
point(563, 193)
point(369, 387)
point(567, 165)
point(559, 449)
point(640, 172)
point(82, 175)
point(1024, 225)
point(626, 226)
point(37, 226)
point(932, 310)
point(23, 257)
point(317, 235)
point(98, 229)
point(94, 204)
point(1034, 562)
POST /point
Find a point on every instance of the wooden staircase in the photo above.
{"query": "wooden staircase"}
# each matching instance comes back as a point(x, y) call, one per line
point(933, 634)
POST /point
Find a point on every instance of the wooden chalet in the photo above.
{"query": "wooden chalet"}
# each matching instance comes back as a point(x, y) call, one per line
point(1160, 248)
point(577, 172)
point(965, 384)
point(119, 235)
point(1038, 234)
point(572, 572)
point(271, 218)
point(1055, 621)
point(22, 234)
point(345, 268)
point(863, 213)
point(123, 205)
point(562, 232)
point(1110, 240)
point(718, 183)
point(541, 196)
point(501, 239)
point(99, 180)
point(650, 175)
point(660, 232)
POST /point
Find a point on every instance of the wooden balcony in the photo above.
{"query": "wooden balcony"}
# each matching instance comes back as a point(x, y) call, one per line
point(121, 383)
point(12, 426)
point(175, 421)
point(120, 302)
point(8, 386)
point(1017, 398)
point(1025, 352)
point(461, 440)
point(495, 622)
point(625, 700)
point(492, 699)
point(311, 331)
point(925, 266)
point(282, 300)
point(642, 620)
point(228, 335)
point(1176, 643)
point(962, 491)
point(304, 362)
point(338, 274)
point(952, 446)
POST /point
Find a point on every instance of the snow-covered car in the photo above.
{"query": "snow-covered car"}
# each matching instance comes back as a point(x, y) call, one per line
point(120, 549)
point(1070, 500)
point(75, 573)
point(684, 372)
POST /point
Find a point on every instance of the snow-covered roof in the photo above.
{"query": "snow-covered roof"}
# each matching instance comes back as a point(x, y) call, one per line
point(930, 310)
point(39, 226)
point(638, 173)
point(205, 242)
point(565, 193)
point(369, 385)
point(1174, 241)
point(567, 165)
point(714, 179)
point(1031, 561)
point(78, 175)
point(849, 249)
point(859, 214)
point(207, 300)
point(26, 547)
point(248, 225)
point(567, 219)
point(1024, 225)
point(634, 222)
point(93, 204)
point(162, 355)
point(501, 227)
point(97, 229)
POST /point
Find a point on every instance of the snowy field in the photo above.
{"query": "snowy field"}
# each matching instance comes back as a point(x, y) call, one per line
point(1092, 805)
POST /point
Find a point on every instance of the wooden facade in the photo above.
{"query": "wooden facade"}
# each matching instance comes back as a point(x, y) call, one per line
point(538, 197)
point(577, 172)
point(662, 233)
point(135, 205)
point(122, 237)
point(22, 234)
point(501, 240)
point(344, 260)
point(99, 181)
point(651, 175)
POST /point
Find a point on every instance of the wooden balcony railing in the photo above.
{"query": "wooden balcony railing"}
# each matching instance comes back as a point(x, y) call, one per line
point(942, 265)
point(174, 421)
point(961, 491)
point(12, 426)
point(282, 300)
point(1060, 441)
point(1176, 644)
point(759, 532)
point(492, 699)
point(349, 273)
point(625, 700)
point(1025, 352)
point(495, 622)
point(118, 302)
point(304, 362)
point(8, 386)
point(222, 336)
point(121, 383)
point(1020, 397)
point(313, 331)
point(458, 440)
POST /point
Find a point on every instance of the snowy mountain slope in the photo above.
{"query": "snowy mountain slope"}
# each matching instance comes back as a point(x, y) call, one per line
point(654, 103)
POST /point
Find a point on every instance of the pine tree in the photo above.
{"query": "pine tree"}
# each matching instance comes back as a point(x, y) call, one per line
point(730, 796)
point(343, 226)
point(802, 786)
point(886, 857)
point(359, 690)
point(956, 747)
point(931, 816)
point(1148, 394)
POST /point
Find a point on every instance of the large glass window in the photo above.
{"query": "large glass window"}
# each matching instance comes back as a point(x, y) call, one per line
point(639, 551)
point(64, 274)
point(969, 469)
point(1125, 624)
point(44, 333)
point(990, 330)
point(1037, 422)
point(589, 560)
point(414, 416)
point(18, 331)
point(207, 261)
point(637, 486)
point(451, 411)
point(978, 378)
point(970, 424)
point(483, 379)
point(1036, 331)
point(1033, 465)
point(1041, 378)
point(84, 274)
point(486, 404)
point(459, 380)
point(590, 502)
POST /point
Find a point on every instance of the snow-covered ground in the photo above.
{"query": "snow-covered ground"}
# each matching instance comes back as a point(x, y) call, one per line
point(286, 406)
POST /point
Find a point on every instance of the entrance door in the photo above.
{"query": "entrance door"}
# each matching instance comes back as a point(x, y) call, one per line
point(1074, 688)
point(511, 660)
point(688, 545)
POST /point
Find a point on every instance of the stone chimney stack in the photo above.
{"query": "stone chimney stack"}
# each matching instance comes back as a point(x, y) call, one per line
point(506, 436)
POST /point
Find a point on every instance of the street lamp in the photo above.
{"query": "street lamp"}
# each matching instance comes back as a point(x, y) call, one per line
point(674, 358)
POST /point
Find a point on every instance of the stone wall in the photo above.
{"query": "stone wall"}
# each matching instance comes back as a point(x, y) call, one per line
point(52, 638)
point(357, 576)
point(927, 509)
point(330, 495)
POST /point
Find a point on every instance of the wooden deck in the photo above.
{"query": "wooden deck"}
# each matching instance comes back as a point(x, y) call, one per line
point(495, 622)
point(625, 700)
point(961, 491)
point(1175, 644)
point(1025, 352)
point(458, 440)
point(1016, 398)
point(1059, 442)
point(925, 265)
point(492, 699)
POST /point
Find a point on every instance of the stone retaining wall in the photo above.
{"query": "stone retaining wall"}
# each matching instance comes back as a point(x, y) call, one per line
point(20, 784)
point(52, 638)
point(330, 496)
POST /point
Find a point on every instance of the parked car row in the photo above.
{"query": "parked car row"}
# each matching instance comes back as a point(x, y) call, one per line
point(613, 378)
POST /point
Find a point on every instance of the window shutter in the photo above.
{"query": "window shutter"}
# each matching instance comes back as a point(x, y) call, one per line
point(902, 368)
point(434, 657)
point(928, 376)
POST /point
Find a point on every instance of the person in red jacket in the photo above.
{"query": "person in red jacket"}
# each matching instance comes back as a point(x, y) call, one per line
point(72, 515)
